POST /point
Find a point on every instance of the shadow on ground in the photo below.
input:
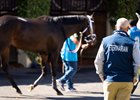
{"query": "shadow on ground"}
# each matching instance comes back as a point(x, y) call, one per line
point(25, 76)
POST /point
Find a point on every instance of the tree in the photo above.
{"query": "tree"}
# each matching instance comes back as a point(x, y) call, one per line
point(121, 8)
point(33, 8)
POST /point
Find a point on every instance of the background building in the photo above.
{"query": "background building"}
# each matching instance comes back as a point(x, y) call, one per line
point(67, 7)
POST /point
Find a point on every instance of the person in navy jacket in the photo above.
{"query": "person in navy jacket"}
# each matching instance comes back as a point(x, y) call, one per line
point(117, 62)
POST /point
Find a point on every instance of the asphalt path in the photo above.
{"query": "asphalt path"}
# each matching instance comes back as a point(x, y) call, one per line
point(87, 83)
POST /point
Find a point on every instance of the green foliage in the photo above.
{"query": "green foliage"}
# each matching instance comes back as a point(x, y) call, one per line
point(33, 8)
point(122, 8)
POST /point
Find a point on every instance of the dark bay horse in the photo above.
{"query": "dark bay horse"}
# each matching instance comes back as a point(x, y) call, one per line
point(44, 35)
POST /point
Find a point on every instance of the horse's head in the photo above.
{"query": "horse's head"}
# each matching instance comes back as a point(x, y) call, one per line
point(88, 32)
point(71, 24)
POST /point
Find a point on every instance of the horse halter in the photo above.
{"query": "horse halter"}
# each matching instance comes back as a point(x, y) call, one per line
point(91, 37)
point(90, 21)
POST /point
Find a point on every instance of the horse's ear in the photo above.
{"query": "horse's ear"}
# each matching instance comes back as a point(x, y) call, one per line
point(92, 14)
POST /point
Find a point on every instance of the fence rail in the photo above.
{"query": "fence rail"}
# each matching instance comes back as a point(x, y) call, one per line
point(8, 7)
point(71, 6)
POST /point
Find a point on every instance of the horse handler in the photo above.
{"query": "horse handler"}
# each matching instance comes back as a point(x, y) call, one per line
point(70, 60)
point(117, 63)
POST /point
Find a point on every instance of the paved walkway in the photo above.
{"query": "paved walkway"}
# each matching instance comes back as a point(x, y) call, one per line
point(86, 82)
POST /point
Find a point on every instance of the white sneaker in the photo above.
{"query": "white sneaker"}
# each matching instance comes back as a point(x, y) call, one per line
point(61, 85)
point(71, 90)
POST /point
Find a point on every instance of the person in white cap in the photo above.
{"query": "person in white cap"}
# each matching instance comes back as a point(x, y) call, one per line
point(117, 61)
point(134, 33)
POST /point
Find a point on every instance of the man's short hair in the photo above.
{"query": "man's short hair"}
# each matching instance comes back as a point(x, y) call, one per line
point(122, 23)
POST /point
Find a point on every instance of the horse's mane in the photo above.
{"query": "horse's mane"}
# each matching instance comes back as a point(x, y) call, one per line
point(69, 19)
point(73, 19)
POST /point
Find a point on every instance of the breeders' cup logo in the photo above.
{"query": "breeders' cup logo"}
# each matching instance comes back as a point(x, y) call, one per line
point(118, 48)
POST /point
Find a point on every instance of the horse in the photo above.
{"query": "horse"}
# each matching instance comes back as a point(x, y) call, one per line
point(43, 35)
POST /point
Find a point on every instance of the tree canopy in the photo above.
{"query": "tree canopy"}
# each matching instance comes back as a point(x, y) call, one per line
point(33, 8)
point(122, 8)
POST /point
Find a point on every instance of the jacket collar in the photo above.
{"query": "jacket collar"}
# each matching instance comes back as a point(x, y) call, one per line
point(121, 32)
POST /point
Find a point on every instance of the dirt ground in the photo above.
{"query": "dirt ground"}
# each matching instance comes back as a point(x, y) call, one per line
point(87, 83)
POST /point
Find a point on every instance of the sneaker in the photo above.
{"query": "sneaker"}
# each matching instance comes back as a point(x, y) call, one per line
point(60, 84)
point(71, 90)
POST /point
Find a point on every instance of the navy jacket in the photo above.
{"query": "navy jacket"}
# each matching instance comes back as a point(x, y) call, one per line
point(118, 63)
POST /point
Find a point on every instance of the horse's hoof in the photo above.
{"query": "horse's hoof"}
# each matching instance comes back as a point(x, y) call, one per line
point(19, 92)
point(31, 87)
point(59, 93)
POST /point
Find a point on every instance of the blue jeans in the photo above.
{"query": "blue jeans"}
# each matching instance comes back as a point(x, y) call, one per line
point(70, 71)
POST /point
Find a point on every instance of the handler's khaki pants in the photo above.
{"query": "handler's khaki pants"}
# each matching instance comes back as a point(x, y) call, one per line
point(117, 90)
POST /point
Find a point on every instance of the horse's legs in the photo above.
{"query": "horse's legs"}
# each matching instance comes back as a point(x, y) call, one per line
point(53, 65)
point(4, 60)
point(52, 60)
point(43, 72)
point(32, 86)
point(44, 64)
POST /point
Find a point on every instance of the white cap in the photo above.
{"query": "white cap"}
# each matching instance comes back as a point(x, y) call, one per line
point(138, 24)
point(122, 23)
